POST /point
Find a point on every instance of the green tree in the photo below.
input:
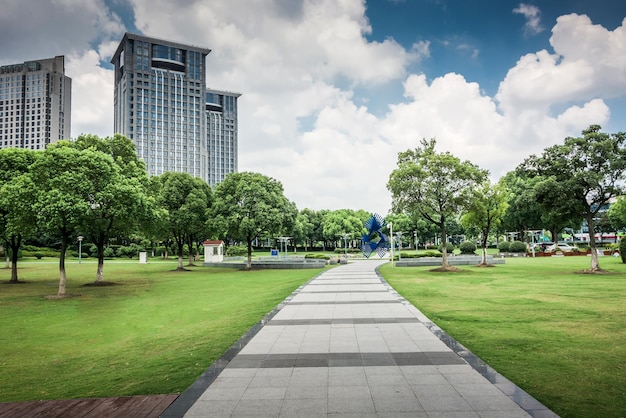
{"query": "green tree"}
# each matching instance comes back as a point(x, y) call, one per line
point(317, 219)
point(68, 179)
point(557, 212)
point(250, 205)
point(120, 206)
point(17, 217)
point(184, 201)
point(485, 212)
point(303, 230)
point(401, 223)
point(617, 213)
point(435, 186)
point(523, 211)
point(338, 223)
point(589, 168)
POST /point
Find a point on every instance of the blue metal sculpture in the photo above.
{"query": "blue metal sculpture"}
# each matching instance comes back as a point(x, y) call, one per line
point(375, 240)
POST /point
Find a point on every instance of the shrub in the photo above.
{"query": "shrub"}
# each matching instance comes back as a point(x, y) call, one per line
point(130, 251)
point(20, 253)
point(584, 247)
point(504, 247)
point(431, 253)
point(236, 250)
point(93, 250)
point(75, 254)
point(449, 248)
point(517, 247)
point(317, 256)
point(467, 247)
point(108, 252)
point(32, 251)
point(38, 255)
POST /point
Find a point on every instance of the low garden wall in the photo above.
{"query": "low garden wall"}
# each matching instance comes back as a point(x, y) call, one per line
point(455, 260)
point(272, 264)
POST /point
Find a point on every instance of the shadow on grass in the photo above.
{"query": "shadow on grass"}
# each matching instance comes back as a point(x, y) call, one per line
point(101, 284)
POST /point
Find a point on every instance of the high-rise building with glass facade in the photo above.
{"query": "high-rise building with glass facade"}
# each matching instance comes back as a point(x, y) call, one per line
point(35, 103)
point(160, 104)
point(221, 123)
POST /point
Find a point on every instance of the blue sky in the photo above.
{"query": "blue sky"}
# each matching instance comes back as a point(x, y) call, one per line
point(332, 90)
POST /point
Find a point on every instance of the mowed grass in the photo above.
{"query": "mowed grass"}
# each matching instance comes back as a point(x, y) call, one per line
point(154, 332)
point(558, 334)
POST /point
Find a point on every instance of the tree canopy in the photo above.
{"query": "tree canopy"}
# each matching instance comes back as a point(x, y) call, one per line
point(433, 185)
point(587, 173)
point(17, 197)
point(184, 201)
point(250, 205)
point(69, 181)
point(485, 211)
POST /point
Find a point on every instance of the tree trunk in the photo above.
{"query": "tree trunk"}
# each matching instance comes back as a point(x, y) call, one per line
point(100, 250)
point(192, 250)
point(555, 234)
point(180, 256)
point(100, 269)
point(483, 244)
point(444, 249)
point(595, 263)
point(15, 247)
point(249, 261)
point(62, 275)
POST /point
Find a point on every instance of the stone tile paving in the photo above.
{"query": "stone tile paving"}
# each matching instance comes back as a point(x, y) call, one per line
point(347, 345)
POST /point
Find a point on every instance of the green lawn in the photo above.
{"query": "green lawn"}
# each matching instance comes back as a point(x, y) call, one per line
point(559, 335)
point(154, 332)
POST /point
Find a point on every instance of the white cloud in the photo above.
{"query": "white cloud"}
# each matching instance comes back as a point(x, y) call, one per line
point(577, 118)
point(533, 19)
point(299, 66)
point(92, 94)
point(588, 63)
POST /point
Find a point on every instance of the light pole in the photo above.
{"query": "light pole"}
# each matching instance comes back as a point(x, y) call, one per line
point(80, 248)
point(393, 262)
point(415, 235)
point(532, 240)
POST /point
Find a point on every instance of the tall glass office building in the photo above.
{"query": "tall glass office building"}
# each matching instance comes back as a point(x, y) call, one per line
point(221, 126)
point(159, 103)
point(35, 103)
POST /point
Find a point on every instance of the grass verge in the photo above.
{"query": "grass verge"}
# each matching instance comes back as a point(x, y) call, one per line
point(558, 334)
point(154, 332)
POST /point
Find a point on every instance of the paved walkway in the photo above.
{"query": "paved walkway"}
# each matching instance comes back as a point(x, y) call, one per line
point(347, 345)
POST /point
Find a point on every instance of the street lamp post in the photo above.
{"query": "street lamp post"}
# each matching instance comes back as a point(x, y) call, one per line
point(80, 248)
point(393, 262)
point(532, 240)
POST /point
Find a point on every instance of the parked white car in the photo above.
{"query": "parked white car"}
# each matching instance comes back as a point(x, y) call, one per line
point(561, 246)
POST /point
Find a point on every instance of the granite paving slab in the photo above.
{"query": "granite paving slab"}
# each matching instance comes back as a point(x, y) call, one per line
point(344, 345)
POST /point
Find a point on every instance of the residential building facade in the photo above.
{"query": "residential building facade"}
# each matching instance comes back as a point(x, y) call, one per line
point(160, 104)
point(35, 103)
